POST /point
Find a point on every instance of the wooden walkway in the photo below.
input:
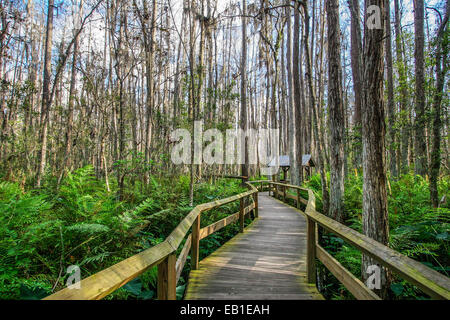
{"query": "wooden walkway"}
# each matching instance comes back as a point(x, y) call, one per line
point(267, 261)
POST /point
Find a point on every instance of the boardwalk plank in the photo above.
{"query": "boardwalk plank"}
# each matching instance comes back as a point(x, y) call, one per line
point(267, 261)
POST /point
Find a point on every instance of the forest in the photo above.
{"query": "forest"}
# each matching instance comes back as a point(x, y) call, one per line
point(92, 92)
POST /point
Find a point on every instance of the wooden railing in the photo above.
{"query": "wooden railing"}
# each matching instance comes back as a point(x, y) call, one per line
point(433, 283)
point(261, 185)
point(163, 255)
point(170, 267)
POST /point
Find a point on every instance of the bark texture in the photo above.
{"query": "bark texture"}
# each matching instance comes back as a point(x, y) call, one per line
point(336, 111)
point(420, 166)
point(375, 214)
point(441, 70)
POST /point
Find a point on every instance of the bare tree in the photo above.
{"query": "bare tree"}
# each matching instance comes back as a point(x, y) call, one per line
point(297, 99)
point(292, 114)
point(244, 120)
point(45, 108)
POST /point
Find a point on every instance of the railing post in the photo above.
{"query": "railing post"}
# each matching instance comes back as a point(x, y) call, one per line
point(284, 193)
point(255, 200)
point(251, 213)
point(241, 215)
point(166, 286)
point(262, 188)
point(195, 243)
point(270, 188)
point(276, 191)
point(298, 198)
point(311, 251)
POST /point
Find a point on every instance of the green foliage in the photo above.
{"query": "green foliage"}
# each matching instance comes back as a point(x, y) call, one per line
point(135, 288)
point(44, 231)
point(23, 231)
point(416, 230)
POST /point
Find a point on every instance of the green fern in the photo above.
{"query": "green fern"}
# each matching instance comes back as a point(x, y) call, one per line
point(88, 228)
point(94, 259)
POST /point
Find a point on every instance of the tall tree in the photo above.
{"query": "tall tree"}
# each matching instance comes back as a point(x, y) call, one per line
point(441, 70)
point(420, 165)
point(319, 136)
point(72, 92)
point(45, 108)
point(297, 99)
point(290, 98)
point(375, 213)
point(149, 40)
point(336, 111)
point(192, 97)
point(356, 62)
point(244, 122)
point(392, 132)
point(403, 116)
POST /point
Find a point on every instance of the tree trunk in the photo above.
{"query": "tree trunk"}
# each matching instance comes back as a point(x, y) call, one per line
point(320, 143)
point(375, 214)
point(420, 166)
point(292, 115)
point(392, 132)
point(441, 69)
point(403, 117)
point(45, 109)
point(297, 97)
point(336, 112)
point(244, 166)
point(356, 62)
point(149, 55)
point(72, 91)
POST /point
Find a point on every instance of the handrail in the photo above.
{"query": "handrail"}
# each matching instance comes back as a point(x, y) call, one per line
point(102, 283)
point(163, 255)
point(433, 283)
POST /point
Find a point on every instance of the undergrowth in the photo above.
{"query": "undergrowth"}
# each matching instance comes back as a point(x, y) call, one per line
point(42, 232)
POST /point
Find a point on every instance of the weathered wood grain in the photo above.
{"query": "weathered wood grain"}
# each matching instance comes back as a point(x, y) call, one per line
point(241, 215)
point(267, 261)
point(291, 196)
point(353, 284)
point(167, 282)
point(195, 245)
point(183, 256)
point(108, 280)
point(311, 250)
point(291, 186)
point(216, 226)
point(433, 283)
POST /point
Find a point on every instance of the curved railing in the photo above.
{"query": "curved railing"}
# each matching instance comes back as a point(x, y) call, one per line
point(433, 283)
point(163, 255)
point(170, 267)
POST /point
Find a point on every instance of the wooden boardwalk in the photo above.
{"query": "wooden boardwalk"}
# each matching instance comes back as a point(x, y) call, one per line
point(267, 261)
